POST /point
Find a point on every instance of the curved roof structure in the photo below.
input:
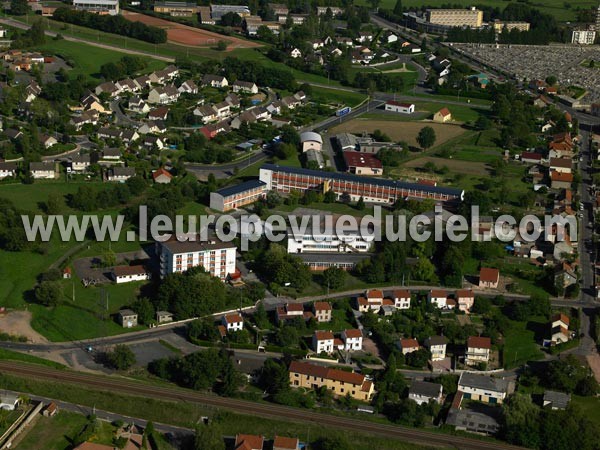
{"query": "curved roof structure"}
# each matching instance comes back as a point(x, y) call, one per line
point(311, 136)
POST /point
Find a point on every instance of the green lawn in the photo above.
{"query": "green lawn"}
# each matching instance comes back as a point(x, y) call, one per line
point(590, 407)
point(554, 7)
point(337, 97)
point(56, 432)
point(88, 59)
point(16, 356)
point(520, 345)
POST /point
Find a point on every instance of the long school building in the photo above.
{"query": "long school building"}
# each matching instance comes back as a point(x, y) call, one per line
point(286, 179)
point(233, 197)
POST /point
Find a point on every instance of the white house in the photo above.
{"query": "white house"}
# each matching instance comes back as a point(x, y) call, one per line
point(163, 95)
point(296, 53)
point(484, 388)
point(9, 401)
point(322, 342)
point(246, 87)
point(80, 163)
point(188, 87)
point(353, 340)
point(399, 107)
point(408, 345)
point(42, 170)
point(401, 299)
point(465, 299)
point(7, 170)
point(216, 81)
point(478, 350)
point(120, 174)
point(126, 274)
point(437, 347)
point(423, 392)
point(233, 322)
point(437, 297)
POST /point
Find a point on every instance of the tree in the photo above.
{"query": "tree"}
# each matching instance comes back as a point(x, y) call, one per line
point(551, 80)
point(202, 329)
point(37, 32)
point(329, 196)
point(483, 123)
point(426, 137)
point(121, 357)
point(19, 7)
point(55, 204)
point(209, 437)
point(260, 316)
point(521, 424)
point(145, 310)
point(360, 204)
point(334, 442)
point(334, 277)
point(221, 46)
point(418, 358)
point(48, 293)
point(398, 8)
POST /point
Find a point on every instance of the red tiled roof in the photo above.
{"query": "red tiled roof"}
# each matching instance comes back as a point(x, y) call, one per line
point(396, 103)
point(323, 335)
point(559, 176)
point(285, 442)
point(479, 342)
point(233, 318)
point(354, 333)
point(565, 163)
point(531, 155)
point(409, 343)
point(361, 159)
point(489, 275)
point(322, 306)
point(375, 293)
point(444, 112)
point(161, 171)
point(294, 307)
point(120, 271)
point(401, 293)
point(461, 293)
point(253, 441)
point(562, 317)
point(438, 293)
point(326, 372)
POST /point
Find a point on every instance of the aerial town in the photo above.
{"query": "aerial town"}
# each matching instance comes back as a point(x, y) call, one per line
point(357, 225)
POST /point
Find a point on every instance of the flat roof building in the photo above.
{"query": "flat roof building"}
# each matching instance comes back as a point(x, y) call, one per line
point(472, 18)
point(98, 6)
point(233, 197)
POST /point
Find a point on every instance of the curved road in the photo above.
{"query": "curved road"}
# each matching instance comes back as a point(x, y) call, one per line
point(270, 411)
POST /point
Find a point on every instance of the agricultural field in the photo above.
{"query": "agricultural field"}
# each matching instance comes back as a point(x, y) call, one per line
point(557, 8)
point(400, 131)
point(425, 111)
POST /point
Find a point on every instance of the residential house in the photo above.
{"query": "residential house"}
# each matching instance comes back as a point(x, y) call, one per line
point(47, 141)
point(162, 176)
point(86, 117)
point(286, 443)
point(92, 102)
point(465, 299)
point(7, 169)
point(109, 88)
point(296, 53)
point(9, 401)
point(13, 134)
point(80, 163)
point(127, 85)
point(559, 329)
point(43, 170)
point(32, 91)
point(399, 107)
point(291, 311)
point(142, 82)
point(484, 388)
point(442, 116)
point(340, 382)
point(188, 87)
point(249, 442)
point(437, 347)
point(478, 350)
point(138, 105)
point(489, 278)
point(437, 297)
point(163, 95)
point(244, 87)
point(531, 158)
point(127, 318)
point(223, 109)
point(216, 81)
point(562, 165)
point(353, 340)
point(153, 142)
point(561, 180)
point(322, 342)
point(233, 100)
point(159, 113)
point(206, 113)
point(401, 299)
point(126, 274)
point(164, 317)
point(233, 322)
point(424, 392)
point(322, 311)
point(408, 345)
point(111, 154)
point(359, 163)
point(120, 174)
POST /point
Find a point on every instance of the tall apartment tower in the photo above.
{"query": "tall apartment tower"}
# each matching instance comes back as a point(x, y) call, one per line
point(598, 19)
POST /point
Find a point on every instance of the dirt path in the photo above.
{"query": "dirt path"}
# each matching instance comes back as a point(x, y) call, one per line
point(18, 323)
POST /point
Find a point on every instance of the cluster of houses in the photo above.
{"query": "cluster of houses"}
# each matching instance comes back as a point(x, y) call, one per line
point(477, 350)
point(18, 60)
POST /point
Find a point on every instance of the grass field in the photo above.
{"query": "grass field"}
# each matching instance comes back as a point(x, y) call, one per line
point(57, 432)
point(520, 345)
point(16, 356)
point(590, 407)
point(88, 59)
point(399, 130)
point(337, 97)
point(554, 7)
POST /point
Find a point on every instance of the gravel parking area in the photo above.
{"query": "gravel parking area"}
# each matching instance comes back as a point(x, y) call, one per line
point(538, 62)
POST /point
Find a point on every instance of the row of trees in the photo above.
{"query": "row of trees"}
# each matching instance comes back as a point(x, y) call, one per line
point(112, 24)
point(128, 65)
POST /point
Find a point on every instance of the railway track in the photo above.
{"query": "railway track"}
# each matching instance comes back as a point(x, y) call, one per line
point(251, 408)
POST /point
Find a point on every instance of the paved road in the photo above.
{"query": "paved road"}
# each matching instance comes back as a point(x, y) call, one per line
point(23, 26)
point(202, 170)
point(268, 411)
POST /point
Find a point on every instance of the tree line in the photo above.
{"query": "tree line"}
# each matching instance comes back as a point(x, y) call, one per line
point(111, 24)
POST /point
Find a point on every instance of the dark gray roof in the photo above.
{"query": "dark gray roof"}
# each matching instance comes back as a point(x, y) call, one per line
point(425, 388)
point(41, 166)
point(127, 312)
point(485, 382)
point(354, 258)
point(232, 190)
point(395, 184)
point(176, 246)
point(123, 171)
point(436, 340)
point(473, 420)
point(8, 166)
point(557, 399)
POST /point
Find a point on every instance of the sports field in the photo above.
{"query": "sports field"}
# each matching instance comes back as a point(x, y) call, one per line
point(401, 131)
point(190, 36)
